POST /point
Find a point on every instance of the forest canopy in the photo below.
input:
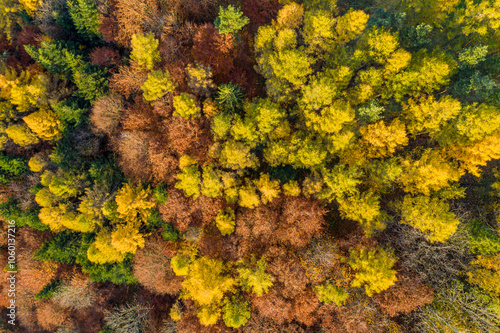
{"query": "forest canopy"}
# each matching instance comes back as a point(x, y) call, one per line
point(251, 165)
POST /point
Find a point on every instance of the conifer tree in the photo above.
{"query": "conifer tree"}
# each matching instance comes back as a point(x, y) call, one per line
point(85, 16)
point(230, 20)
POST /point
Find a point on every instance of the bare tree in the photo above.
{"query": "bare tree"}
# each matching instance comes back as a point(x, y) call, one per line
point(129, 318)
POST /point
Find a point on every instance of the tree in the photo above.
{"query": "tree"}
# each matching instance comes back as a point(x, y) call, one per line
point(145, 50)
point(328, 293)
point(225, 221)
point(373, 269)
point(77, 294)
point(230, 20)
point(85, 16)
point(430, 172)
point(404, 296)
point(21, 135)
point(475, 122)
point(101, 251)
point(269, 189)
point(133, 203)
point(236, 312)
point(349, 26)
point(158, 84)
point(200, 79)
point(237, 155)
point(229, 97)
point(318, 30)
point(127, 238)
point(185, 106)
point(45, 124)
point(429, 215)
point(106, 113)
point(290, 16)
point(378, 44)
point(248, 196)
point(128, 318)
point(485, 273)
point(330, 119)
point(252, 276)
point(152, 268)
point(211, 185)
point(430, 115)
point(379, 140)
point(189, 181)
point(365, 209)
point(207, 282)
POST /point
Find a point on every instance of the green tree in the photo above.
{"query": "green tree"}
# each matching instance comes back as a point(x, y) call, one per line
point(229, 97)
point(85, 16)
point(236, 312)
point(230, 20)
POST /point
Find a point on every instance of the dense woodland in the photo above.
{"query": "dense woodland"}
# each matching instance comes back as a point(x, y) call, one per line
point(251, 165)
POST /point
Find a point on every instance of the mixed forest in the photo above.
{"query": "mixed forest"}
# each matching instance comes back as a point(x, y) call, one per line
point(251, 166)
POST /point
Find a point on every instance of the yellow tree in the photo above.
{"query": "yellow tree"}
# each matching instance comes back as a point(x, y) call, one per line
point(486, 273)
point(206, 284)
point(133, 203)
point(373, 269)
point(431, 216)
point(430, 172)
point(428, 114)
point(127, 238)
point(379, 140)
point(145, 50)
point(365, 209)
point(101, 251)
point(349, 26)
point(45, 124)
point(476, 155)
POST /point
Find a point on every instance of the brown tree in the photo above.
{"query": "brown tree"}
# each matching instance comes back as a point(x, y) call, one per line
point(128, 80)
point(406, 295)
point(183, 212)
point(152, 269)
point(215, 50)
point(301, 219)
point(106, 113)
point(50, 315)
point(189, 136)
point(105, 57)
point(272, 305)
point(132, 148)
point(77, 293)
